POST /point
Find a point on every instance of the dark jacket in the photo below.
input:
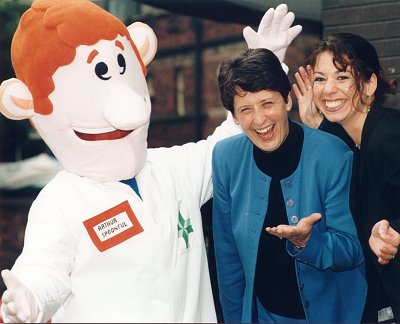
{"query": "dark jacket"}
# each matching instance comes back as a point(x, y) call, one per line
point(375, 195)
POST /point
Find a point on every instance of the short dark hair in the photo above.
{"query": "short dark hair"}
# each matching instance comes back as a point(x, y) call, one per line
point(354, 51)
point(253, 70)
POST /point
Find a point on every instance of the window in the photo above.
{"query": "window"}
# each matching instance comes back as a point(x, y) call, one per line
point(180, 91)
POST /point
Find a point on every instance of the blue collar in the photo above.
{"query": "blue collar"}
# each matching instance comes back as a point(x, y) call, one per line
point(133, 184)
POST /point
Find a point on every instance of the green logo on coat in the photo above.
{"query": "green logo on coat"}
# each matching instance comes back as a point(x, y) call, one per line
point(184, 229)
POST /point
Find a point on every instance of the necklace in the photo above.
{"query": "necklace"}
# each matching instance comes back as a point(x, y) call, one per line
point(356, 144)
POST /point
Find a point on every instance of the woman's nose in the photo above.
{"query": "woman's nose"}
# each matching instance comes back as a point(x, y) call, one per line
point(258, 116)
point(330, 86)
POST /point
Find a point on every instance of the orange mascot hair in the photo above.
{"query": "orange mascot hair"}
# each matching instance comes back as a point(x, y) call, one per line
point(47, 37)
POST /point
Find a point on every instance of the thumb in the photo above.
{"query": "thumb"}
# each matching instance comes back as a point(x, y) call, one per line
point(383, 227)
point(313, 218)
point(250, 37)
point(11, 282)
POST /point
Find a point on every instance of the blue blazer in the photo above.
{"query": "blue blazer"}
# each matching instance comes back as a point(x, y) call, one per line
point(330, 269)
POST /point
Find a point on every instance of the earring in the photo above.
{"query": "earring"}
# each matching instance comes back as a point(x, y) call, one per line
point(371, 100)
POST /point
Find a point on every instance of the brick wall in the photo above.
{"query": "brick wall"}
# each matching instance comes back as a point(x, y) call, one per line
point(376, 20)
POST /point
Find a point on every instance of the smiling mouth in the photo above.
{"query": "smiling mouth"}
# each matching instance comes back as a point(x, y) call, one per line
point(266, 132)
point(334, 105)
point(102, 136)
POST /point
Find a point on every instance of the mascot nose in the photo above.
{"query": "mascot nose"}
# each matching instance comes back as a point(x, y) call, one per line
point(126, 109)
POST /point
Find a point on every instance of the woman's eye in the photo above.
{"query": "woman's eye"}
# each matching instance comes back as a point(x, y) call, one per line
point(268, 104)
point(101, 70)
point(343, 77)
point(318, 79)
point(121, 63)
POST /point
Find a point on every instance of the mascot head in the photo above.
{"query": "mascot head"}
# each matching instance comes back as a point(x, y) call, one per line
point(80, 79)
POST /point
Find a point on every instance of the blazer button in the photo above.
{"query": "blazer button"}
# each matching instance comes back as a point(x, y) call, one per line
point(288, 184)
point(294, 219)
point(306, 304)
point(301, 285)
point(290, 202)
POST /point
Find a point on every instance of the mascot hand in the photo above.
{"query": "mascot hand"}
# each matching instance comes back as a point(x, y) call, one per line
point(19, 304)
point(274, 32)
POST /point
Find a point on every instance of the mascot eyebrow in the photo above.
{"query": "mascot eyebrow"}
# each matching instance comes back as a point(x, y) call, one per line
point(94, 53)
point(63, 23)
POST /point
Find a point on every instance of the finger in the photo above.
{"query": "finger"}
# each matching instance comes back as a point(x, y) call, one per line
point(383, 227)
point(282, 9)
point(287, 231)
point(391, 240)
point(281, 230)
point(249, 35)
point(304, 73)
point(8, 296)
point(297, 91)
point(280, 13)
point(272, 231)
point(387, 257)
point(287, 21)
point(387, 249)
point(294, 32)
point(309, 71)
point(307, 77)
point(383, 261)
point(266, 20)
point(300, 79)
point(393, 236)
point(9, 309)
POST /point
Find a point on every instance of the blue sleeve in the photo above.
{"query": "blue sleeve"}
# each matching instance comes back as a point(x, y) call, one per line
point(334, 243)
point(231, 281)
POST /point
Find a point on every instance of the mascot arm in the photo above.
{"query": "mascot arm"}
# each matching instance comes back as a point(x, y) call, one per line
point(39, 281)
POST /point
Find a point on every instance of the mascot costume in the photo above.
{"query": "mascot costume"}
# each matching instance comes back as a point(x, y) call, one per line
point(117, 235)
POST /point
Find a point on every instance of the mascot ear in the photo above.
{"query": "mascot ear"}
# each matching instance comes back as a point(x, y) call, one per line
point(15, 100)
point(145, 40)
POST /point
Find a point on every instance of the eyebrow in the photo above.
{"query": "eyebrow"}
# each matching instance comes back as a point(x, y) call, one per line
point(92, 55)
point(119, 44)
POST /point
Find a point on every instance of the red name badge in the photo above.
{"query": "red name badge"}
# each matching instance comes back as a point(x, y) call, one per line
point(113, 226)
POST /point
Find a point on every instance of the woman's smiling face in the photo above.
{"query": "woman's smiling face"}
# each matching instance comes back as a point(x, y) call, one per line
point(263, 116)
point(335, 91)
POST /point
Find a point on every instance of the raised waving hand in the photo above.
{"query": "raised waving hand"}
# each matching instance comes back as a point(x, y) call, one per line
point(274, 31)
point(303, 90)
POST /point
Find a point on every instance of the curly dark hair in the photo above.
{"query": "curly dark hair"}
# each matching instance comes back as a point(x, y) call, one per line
point(354, 51)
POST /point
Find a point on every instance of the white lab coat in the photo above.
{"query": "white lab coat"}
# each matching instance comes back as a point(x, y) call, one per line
point(152, 276)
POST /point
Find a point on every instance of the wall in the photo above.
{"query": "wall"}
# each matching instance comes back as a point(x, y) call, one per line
point(376, 20)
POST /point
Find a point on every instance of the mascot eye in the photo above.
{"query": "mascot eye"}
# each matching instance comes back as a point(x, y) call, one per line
point(101, 70)
point(121, 63)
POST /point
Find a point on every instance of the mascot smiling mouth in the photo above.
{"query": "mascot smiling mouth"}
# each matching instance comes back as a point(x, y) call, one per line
point(113, 135)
